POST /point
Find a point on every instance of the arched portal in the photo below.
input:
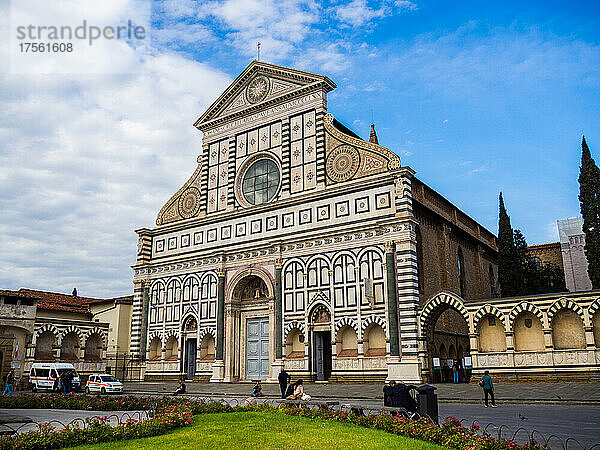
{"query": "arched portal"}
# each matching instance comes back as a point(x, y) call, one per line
point(444, 327)
point(319, 320)
point(189, 334)
point(250, 326)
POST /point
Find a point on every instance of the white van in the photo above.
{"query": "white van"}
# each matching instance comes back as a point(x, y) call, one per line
point(44, 376)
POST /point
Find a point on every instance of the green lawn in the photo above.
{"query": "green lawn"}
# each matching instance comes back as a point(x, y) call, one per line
point(268, 431)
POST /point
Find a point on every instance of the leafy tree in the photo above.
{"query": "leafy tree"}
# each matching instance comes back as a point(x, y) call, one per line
point(509, 267)
point(552, 279)
point(589, 196)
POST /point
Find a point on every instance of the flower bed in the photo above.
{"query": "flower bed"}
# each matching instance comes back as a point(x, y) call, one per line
point(172, 413)
point(450, 434)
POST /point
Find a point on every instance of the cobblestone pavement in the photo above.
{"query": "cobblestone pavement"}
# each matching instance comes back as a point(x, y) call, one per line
point(506, 393)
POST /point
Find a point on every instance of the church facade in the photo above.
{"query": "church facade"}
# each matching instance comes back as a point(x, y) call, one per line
point(297, 244)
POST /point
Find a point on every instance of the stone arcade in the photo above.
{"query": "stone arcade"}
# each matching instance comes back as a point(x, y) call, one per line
point(294, 244)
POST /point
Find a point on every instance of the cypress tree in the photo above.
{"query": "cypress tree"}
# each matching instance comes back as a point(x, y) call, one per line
point(524, 274)
point(508, 261)
point(589, 196)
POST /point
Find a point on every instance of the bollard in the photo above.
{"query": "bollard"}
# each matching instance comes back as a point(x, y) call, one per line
point(427, 402)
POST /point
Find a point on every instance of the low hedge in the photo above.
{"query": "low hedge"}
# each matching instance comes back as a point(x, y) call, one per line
point(80, 402)
point(172, 413)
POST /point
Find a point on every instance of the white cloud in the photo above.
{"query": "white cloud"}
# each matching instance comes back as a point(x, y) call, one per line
point(280, 25)
point(86, 159)
point(330, 58)
point(358, 12)
point(406, 5)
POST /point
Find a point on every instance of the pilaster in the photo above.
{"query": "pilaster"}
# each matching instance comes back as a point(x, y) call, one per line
point(219, 365)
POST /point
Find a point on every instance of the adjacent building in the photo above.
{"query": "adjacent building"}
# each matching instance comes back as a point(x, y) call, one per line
point(46, 326)
point(572, 242)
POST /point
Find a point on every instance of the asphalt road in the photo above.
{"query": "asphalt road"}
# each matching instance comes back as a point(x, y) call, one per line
point(579, 422)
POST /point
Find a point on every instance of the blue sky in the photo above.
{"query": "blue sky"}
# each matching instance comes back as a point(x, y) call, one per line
point(477, 97)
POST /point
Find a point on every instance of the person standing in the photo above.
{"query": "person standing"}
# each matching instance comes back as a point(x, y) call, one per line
point(455, 371)
point(283, 378)
point(388, 397)
point(68, 381)
point(488, 388)
point(9, 379)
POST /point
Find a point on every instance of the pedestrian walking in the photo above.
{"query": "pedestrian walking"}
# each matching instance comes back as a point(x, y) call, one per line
point(283, 378)
point(9, 380)
point(488, 388)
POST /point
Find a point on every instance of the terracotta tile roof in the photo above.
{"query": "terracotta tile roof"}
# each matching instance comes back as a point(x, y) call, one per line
point(58, 302)
point(55, 301)
point(7, 293)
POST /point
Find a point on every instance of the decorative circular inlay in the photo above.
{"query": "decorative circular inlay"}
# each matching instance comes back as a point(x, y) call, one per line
point(189, 202)
point(258, 89)
point(342, 163)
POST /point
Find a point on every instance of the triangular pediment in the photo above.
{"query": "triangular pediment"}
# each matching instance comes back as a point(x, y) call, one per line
point(260, 84)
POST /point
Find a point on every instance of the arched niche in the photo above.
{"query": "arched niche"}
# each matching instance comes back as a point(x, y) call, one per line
point(207, 348)
point(528, 332)
point(171, 349)
point(567, 330)
point(294, 344)
point(374, 341)
point(93, 348)
point(155, 349)
point(492, 337)
point(69, 347)
point(346, 343)
point(44, 346)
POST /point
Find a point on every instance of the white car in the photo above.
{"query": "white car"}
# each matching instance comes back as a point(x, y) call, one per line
point(103, 383)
